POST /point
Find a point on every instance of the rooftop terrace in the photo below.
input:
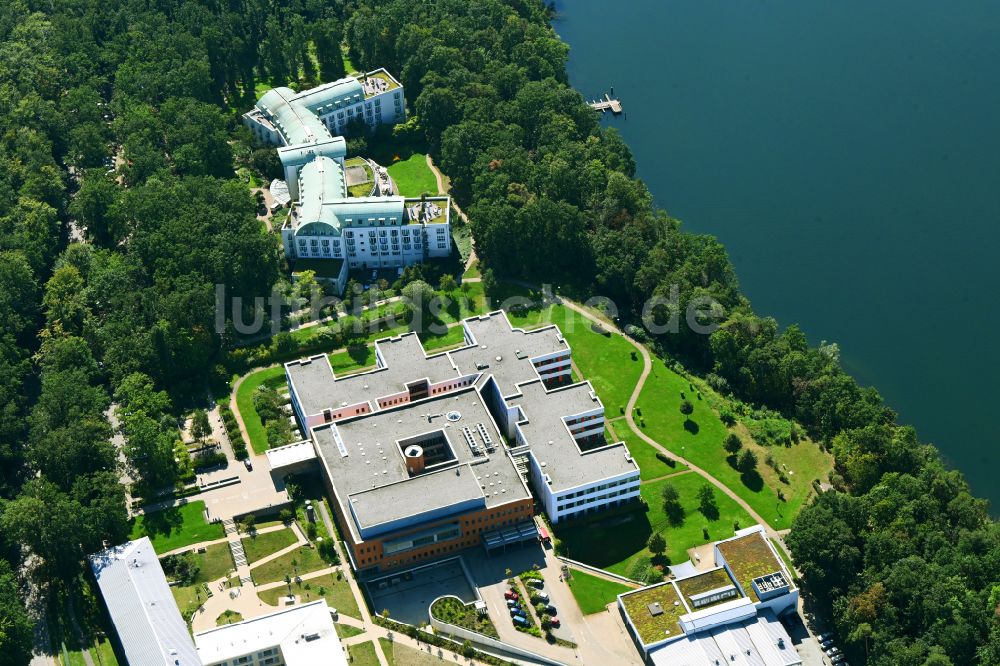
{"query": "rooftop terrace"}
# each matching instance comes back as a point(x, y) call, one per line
point(750, 556)
point(655, 612)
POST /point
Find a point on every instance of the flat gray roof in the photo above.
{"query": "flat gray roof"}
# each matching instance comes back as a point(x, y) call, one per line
point(313, 381)
point(513, 346)
point(371, 458)
point(405, 362)
point(454, 489)
point(551, 442)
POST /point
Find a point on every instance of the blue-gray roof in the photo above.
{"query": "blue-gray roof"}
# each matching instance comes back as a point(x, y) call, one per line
point(320, 181)
point(330, 96)
point(294, 120)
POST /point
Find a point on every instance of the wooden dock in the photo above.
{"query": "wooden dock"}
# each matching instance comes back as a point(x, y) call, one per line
point(606, 103)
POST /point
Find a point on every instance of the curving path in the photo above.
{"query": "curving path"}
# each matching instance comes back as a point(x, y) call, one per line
point(647, 366)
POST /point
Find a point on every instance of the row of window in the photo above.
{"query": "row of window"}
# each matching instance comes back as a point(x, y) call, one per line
point(597, 489)
point(598, 498)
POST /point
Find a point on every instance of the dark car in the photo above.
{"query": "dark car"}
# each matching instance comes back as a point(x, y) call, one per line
point(249, 465)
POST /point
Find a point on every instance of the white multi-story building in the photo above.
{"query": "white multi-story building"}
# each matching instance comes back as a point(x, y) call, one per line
point(298, 636)
point(326, 224)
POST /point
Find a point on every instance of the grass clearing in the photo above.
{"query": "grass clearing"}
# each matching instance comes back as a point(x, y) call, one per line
point(413, 177)
point(260, 546)
point(273, 377)
point(363, 654)
point(305, 560)
point(176, 527)
point(618, 542)
point(611, 363)
point(336, 592)
point(347, 631)
point(214, 563)
point(592, 593)
point(650, 467)
point(228, 617)
point(699, 439)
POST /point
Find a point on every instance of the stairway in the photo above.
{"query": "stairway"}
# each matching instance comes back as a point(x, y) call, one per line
point(521, 463)
point(239, 556)
point(230, 526)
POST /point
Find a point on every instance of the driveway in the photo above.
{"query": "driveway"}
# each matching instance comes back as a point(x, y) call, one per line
point(408, 595)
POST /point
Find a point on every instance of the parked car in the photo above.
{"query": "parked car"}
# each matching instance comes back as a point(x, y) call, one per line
point(827, 643)
point(824, 637)
point(539, 584)
point(510, 594)
point(517, 611)
point(838, 659)
point(249, 465)
point(832, 651)
point(541, 596)
point(512, 603)
point(555, 621)
point(520, 620)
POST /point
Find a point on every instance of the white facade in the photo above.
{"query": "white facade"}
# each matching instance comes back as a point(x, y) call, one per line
point(585, 499)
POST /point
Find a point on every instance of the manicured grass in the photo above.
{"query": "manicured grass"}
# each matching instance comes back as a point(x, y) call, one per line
point(338, 593)
point(187, 596)
point(361, 189)
point(273, 377)
point(103, 654)
point(650, 467)
point(355, 359)
point(403, 655)
point(214, 563)
point(592, 594)
point(472, 271)
point(262, 545)
point(413, 177)
point(176, 527)
point(611, 363)
point(363, 654)
point(453, 338)
point(534, 316)
point(618, 542)
point(700, 441)
point(228, 617)
point(307, 559)
point(347, 631)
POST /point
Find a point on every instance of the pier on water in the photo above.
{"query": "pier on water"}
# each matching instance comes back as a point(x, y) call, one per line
point(606, 103)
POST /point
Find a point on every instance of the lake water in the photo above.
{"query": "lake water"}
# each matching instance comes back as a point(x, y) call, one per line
point(848, 155)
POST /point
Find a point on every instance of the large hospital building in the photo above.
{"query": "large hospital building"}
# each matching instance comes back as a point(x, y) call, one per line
point(324, 222)
point(429, 454)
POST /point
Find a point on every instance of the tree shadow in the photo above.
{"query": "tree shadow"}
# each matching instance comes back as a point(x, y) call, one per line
point(675, 513)
point(752, 480)
point(164, 522)
point(710, 512)
point(359, 353)
point(691, 426)
point(731, 460)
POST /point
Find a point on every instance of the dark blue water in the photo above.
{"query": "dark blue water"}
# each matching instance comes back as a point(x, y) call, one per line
point(848, 155)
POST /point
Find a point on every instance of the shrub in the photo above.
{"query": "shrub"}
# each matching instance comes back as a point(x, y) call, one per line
point(285, 515)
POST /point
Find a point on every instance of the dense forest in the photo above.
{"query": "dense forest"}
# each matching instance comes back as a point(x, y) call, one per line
point(117, 152)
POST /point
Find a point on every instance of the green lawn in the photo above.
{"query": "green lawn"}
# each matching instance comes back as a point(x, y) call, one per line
point(228, 617)
point(262, 545)
point(307, 559)
point(361, 189)
point(214, 563)
point(413, 177)
point(273, 377)
point(592, 594)
point(338, 593)
point(347, 631)
point(472, 271)
point(355, 359)
point(103, 654)
point(617, 542)
point(610, 362)
point(700, 441)
point(176, 527)
point(453, 338)
point(187, 597)
point(650, 467)
point(363, 654)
